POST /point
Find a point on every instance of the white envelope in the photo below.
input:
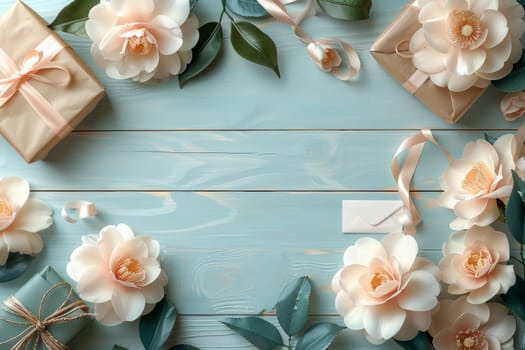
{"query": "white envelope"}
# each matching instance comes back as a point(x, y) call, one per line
point(372, 216)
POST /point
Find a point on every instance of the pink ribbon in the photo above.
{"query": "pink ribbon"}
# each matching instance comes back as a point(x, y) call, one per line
point(278, 11)
point(404, 173)
point(17, 79)
point(83, 209)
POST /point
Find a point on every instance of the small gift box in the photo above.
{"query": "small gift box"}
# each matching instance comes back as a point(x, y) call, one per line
point(44, 314)
point(45, 88)
point(391, 51)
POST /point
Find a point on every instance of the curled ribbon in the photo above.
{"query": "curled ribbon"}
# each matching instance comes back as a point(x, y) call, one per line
point(328, 45)
point(403, 174)
point(37, 327)
point(17, 79)
point(84, 210)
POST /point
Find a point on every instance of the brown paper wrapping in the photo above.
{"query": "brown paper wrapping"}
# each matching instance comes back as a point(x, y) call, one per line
point(21, 30)
point(448, 105)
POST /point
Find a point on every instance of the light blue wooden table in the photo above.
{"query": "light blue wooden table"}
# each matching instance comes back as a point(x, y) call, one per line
point(240, 175)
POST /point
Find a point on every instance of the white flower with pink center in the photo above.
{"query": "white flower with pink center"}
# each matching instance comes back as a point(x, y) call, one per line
point(118, 272)
point(142, 40)
point(474, 263)
point(458, 324)
point(465, 43)
point(386, 290)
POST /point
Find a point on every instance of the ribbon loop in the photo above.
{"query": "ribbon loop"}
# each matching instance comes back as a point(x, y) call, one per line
point(404, 174)
point(34, 63)
point(84, 210)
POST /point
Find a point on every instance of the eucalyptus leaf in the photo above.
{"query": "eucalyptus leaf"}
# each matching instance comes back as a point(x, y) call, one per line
point(260, 333)
point(155, 327)
point(72, 18)
point(490, 139)
point(254, 45)
point(514, 298)
point(292, 307)
point(246, 8)
point(319, 336)
point(515, 80)
point(14, 267)
point(205, 51)
point(118, 347)
point(514, 211)
point(183, 347)
point(420, 342)
point(346, 9)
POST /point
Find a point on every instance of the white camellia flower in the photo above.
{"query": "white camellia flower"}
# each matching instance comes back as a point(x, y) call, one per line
point(475, 262)
point(142, 40)
point(473, 183)
point(465, 43)
point(386, 290)
point(457, 324)
point(119, 273)
point(20, 218)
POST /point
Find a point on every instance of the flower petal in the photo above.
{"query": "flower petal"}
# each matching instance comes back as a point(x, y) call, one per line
point(34, 216)
point(465, 62)
point(132, 8)
point(168, 34)
point(434, 34)
point(496, 23)
point(497, 57)
point(4, 251)
point(363, 251)
point(501, 325)
point(190, 33)
point(420, 293)
point(178, 10)
point(23, 242)
point(95, 286)
point(383, 321)
point(128, 303)
point(401, 247)
point(505, 276)
point(485, 293)
point(105, 314)
point(459, 83)
point(101, 19)
point(14, 190)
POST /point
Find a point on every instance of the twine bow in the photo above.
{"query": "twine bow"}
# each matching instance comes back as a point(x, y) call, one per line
point(17, 79)
point(37, 330)
point(278, 11)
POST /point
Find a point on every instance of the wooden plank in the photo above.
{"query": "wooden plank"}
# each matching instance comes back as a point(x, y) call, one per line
point(226, 99)
point(256, 160)
point(206, 332)
point(231, 253)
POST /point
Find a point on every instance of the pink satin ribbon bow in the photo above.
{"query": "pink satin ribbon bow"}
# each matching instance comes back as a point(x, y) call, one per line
point(17, 79)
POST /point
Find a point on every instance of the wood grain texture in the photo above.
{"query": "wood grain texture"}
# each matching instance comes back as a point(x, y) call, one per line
point(232, 160)
point(240, 175)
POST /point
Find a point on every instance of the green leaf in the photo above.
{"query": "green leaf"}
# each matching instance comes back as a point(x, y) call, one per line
point(118, 347)
point(346, 9)
point(420, 342)
point(514, 298)
point(515, 80)
point(156, 326)
point(72, 18)
point(15, 266)
point(490, 139)
point(255, 46)
point(246, 8)
point(292, 307)
point(205, 52)
point(262, 334)
point(514, 211)
point(183, 347)
point(319, 336)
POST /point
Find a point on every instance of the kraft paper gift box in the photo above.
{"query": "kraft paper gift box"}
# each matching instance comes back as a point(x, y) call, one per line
point(448, 105)
point(57, 91)
point(46, 291)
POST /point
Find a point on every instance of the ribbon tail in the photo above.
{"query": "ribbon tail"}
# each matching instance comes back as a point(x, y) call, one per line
point(404, 174)
point(84, 210)
point(45, 110)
